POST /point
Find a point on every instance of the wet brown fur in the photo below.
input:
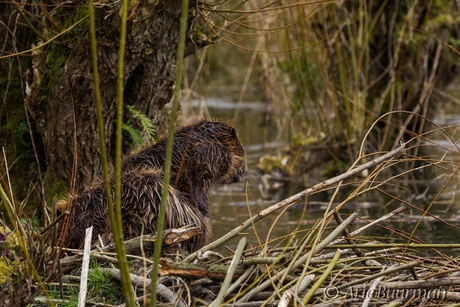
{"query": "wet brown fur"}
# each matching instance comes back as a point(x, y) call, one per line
point(204, 154)
point(140, 202)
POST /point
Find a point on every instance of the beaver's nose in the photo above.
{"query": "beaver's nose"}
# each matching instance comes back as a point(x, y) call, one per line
point(241, 176)
point(236, 179)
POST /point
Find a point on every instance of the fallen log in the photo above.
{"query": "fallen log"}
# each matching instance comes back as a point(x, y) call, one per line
point(194, 271)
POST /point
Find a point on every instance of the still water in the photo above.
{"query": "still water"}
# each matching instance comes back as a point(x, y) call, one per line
point(231, 205)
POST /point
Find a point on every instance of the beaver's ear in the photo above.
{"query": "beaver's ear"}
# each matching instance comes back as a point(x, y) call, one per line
point(232, 132)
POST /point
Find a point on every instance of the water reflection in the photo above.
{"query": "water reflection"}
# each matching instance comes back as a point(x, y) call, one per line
point(231, 205)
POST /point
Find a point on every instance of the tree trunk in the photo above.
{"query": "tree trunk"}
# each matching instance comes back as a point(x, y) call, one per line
point(60, 86)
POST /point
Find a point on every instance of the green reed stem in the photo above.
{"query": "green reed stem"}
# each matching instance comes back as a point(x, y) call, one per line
point(100, 121)
point(172, 127)
point(123, 263)
point(323, 277)
point(115, 218)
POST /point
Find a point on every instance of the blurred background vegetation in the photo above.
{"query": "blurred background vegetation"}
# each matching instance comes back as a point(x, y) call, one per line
point(329, 70)
point(322, 72)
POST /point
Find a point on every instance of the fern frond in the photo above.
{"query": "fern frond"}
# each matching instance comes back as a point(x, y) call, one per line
point(135, 134)
point(145, 122)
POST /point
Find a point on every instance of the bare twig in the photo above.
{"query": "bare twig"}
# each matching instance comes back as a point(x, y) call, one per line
point(379, 220)
point(85, 266)
point(231, 270)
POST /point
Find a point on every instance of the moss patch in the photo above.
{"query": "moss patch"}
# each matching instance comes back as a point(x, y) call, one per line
point(10, 262)
point(268, 163)
point(54, 189)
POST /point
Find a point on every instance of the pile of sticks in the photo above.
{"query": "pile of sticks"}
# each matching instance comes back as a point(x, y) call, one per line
point(301, 272)
point(305, 273)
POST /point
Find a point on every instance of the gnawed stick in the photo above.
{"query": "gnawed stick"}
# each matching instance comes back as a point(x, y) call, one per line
point(133, 246)
point(288, 201)
point(171, 236)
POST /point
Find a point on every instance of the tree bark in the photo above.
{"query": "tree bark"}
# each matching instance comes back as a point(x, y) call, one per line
point(60, 85)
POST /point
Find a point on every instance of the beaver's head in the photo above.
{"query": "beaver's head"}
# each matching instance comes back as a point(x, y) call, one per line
point(238, 168)
point(235, 168)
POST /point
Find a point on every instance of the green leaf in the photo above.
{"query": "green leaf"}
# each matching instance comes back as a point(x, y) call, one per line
point(145, 122)
point(135, 134)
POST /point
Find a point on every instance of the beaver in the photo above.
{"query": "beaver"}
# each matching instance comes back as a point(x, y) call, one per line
point(140, 202)
point(205, 153)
